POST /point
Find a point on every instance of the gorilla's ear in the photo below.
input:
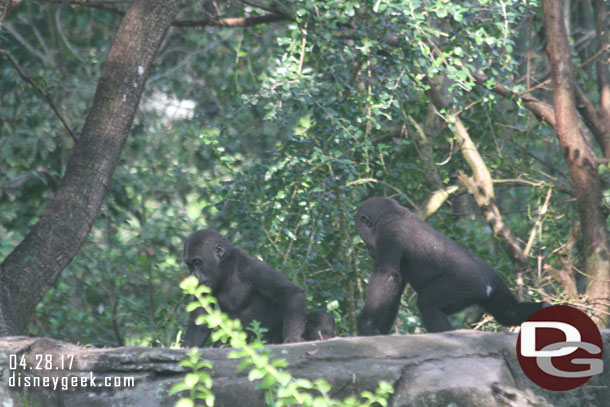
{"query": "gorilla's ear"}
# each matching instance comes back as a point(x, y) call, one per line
point(219, 251)
point(366, 221)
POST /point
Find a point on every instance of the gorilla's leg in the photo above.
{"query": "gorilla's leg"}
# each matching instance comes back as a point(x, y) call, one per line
point(507, 310)
point(433, 318)
point(445, 295)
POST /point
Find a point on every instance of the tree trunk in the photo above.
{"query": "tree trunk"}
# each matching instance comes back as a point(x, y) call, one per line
point(28, 272)
point(581, 162)
point(601, 64)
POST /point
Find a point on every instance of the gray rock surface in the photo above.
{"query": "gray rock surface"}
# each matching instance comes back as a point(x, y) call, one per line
point(459, 368)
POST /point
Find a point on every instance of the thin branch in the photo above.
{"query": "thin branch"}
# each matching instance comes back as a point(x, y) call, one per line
point(541, 212)
point(64, 37)
point(564, 274)
point(542, 110)
point(266, 7)
point(374, 180)
point(579, 67)
point(601, 64)
point(98, 5)
point(519, 181)
point(9, 27)
point(232, 21)
point(303, 45)
point(42, 91)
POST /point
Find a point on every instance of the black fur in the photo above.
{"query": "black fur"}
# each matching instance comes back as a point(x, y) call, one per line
point(246, 288)
point(319, 325)
point(446, 276)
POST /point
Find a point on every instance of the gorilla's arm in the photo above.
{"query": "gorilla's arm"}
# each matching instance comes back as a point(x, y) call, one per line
point(196, 335)
point(289, 297)
point(383, 292)
point(446, 276)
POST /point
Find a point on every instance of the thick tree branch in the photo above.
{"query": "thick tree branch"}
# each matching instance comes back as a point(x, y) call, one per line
point(580, 159)
point(467, 146)
point(603, 61)
point(492, 215)
point(594, 120)
point(424, 144)
point(542, 110)
point(436, 200)
point(480, 185)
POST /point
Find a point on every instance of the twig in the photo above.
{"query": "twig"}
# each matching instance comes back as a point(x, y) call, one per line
point(256, 4)
point(377, 181)
point(232, 21)
point(19, 38)
point(97, 5)
point(541, 213)
point(579, 67)
point(303, 44)
point(42, 91)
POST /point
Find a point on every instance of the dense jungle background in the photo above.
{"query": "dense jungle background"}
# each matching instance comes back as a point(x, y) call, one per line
point(271, 121)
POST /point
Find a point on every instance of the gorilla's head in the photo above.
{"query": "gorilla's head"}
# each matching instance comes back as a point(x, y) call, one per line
point(204, 253)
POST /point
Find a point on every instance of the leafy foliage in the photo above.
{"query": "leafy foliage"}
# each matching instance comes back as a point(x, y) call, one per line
point(198, 383)
point(272, 135)
point(281, 388)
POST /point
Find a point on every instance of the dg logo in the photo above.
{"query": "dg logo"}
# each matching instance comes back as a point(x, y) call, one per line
point(560, 348)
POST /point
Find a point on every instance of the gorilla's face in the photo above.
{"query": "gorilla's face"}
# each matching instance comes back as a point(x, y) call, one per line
point(364, 228)
point(366, 222)
point(204, 252)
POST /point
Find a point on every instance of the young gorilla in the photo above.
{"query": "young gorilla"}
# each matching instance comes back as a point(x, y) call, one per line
point(446, 276)
point(319, 325)
point(245, 288)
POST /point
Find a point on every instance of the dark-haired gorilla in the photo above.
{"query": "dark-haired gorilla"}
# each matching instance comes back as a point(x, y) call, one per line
point(245, 287)
point(319, 326)
point(446, 276)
